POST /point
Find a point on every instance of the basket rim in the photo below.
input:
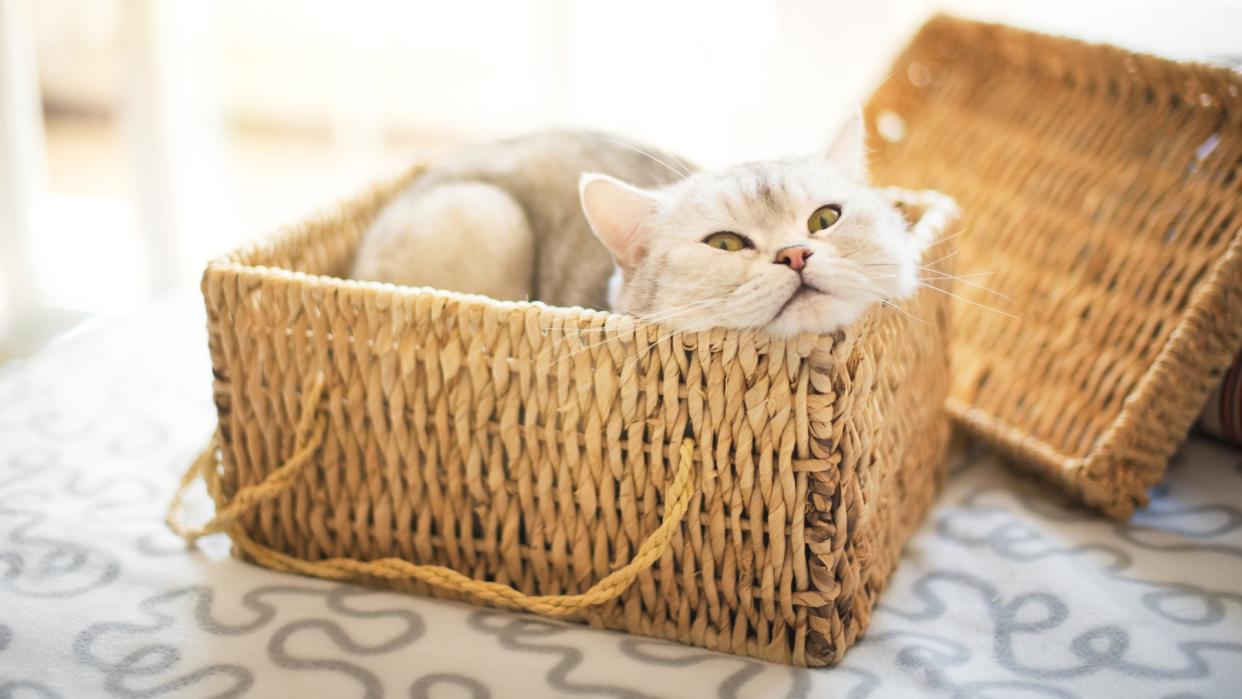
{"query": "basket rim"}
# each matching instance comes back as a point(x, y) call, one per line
point(1107, 60)
point(939, 211)
point(1167, 374)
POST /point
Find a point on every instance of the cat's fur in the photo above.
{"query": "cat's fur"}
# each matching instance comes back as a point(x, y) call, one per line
point(504, 220)
point(508, 221)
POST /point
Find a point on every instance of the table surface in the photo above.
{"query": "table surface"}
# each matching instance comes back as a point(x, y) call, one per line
point(1004, 591)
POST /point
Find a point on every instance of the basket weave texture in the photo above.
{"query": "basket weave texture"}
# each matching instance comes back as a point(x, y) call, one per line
point(1102, 194)
point(535, 447)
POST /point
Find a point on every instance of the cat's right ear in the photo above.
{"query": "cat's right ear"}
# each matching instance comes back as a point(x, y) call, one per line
point(619, 214)
point(849, 150)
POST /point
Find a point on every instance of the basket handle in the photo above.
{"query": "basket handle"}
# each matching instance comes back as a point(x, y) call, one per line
point(308, 438)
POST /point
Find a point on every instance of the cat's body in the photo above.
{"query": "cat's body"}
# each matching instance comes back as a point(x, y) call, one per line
point(504, 219)
point(786, 246)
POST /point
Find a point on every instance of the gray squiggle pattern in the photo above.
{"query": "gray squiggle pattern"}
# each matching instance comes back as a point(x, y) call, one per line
point(521, 634)
point(424, 687)
point(36, 565)
point(1004, 592)
point(660, 653)
point(162, 611)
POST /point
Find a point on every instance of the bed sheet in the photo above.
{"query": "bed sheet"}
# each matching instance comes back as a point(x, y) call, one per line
point(1006, 590)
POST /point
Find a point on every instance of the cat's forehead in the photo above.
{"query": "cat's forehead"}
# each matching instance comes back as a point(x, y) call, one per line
point(769, 192)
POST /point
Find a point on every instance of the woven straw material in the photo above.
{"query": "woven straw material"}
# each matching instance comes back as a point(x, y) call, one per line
point(755, 492)
point(1101, 193)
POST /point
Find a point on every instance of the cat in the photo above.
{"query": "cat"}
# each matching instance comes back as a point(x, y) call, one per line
point(790, 246)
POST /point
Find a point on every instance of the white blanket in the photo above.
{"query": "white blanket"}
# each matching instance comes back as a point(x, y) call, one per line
point(1004, 591)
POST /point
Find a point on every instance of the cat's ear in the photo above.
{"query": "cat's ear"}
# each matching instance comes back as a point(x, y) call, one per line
point(619, 214)
point(849, 151)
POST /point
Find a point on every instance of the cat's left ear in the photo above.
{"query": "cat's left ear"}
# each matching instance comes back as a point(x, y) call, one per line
point(849, 151)
point(619, 214)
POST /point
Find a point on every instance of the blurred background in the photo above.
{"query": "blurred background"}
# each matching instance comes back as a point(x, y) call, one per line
point(139, 138)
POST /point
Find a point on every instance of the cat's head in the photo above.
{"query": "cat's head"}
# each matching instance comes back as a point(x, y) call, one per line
point(786, 246)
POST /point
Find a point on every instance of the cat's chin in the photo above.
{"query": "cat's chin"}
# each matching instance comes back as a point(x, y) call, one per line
point(816, 313)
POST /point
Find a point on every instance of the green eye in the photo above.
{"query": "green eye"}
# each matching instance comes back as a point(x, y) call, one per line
point(724, 240)
point(823, 218)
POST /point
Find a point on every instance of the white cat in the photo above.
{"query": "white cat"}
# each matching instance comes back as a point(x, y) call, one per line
point(786, 246)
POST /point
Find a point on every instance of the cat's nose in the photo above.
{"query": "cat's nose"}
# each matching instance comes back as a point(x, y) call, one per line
point(794, 256)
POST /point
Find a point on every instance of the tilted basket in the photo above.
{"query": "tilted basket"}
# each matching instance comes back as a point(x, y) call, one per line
point(717, 488)
point(1101, 193)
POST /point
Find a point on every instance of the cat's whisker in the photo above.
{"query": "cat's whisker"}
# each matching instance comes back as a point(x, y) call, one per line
point(951, 236)
point(946, 292)
point(649, 319)
point(680, 173)
point(642, 322)
point(639, 324)
point(967, 275)
point(590, 346)
point(702, 304)
point(942, 277)
point(680, 164)
point(927, 269)
point(904, 312)
point(662, 338)
point(849, 255)
point(585, 348)
point(973, 285)
point(971, 302)
point(692, 308)
point(942, 259)
point(871, 296)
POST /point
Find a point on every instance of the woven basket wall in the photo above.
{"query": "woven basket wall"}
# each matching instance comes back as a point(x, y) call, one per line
point(1101, 192)
point(533, 446)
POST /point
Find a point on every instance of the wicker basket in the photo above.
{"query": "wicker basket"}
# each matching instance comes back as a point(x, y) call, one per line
point(1102, 192)
point(719, 488)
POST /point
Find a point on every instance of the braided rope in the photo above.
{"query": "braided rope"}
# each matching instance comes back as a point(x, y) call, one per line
point(309, 438)
point(277, 482)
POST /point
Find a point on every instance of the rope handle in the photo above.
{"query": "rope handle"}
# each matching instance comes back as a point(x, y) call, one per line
point(308, 438)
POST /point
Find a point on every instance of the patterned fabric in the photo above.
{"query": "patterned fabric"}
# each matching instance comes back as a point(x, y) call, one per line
point(1004, 591)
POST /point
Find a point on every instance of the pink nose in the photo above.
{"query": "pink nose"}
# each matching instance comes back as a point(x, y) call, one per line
point(794, 255)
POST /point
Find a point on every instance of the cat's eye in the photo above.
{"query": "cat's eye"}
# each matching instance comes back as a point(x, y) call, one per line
point(724, 240)
point(824, 217)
